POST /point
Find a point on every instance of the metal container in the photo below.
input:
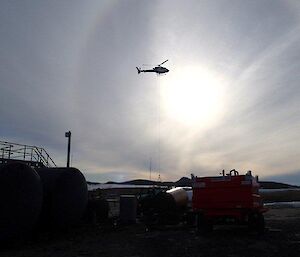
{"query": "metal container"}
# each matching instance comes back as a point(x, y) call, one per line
point(65, 197)
point(180, 196)
point(20, 198)
point(128, 209)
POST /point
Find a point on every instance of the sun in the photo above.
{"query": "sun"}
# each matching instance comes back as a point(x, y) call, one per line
point(192, 96)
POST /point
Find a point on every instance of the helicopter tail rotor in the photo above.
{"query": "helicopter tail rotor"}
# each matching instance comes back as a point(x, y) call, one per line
point(139, 70)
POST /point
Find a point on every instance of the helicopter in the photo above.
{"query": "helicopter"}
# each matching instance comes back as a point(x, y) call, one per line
point(158, 69)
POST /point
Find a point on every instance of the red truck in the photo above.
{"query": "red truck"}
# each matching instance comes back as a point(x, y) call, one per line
point(227, 198)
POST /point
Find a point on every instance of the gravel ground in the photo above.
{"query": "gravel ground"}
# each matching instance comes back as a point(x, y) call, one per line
point(282, 238)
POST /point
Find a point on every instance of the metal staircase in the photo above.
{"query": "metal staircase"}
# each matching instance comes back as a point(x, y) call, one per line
point(32, 155)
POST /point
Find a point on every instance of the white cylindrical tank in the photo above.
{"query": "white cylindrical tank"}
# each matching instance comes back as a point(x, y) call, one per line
point(180, 196)
point(190, 198)
point(190, 195)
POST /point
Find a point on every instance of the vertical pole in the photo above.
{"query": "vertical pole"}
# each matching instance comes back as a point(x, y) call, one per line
point(68, 135)
point(9, 151)
point(150, 168)
point(24, 152)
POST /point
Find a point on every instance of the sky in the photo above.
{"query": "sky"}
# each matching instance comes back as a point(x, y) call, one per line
point(230, 101)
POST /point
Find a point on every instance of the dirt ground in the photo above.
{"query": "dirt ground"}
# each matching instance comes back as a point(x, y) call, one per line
point(282, 238)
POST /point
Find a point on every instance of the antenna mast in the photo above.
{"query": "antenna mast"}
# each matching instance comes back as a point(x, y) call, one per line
point(150, 168)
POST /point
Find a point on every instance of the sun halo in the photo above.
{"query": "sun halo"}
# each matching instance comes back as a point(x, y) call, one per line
point(192, 97)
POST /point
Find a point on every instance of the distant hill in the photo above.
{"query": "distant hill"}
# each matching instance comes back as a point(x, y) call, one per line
point(92, 183)
point(143, 182)
point(274, 185)
point(187, 182)
point(184, 182)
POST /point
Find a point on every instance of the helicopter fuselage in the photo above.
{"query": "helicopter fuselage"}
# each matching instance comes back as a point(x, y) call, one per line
point(157, 69)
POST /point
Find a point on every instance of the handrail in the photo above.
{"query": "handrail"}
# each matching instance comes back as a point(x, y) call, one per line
point(30, 153)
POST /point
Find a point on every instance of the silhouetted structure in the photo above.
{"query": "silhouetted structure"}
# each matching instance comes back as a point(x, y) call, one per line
point(31, 155)
point(65, 196)
point(68, 135)
point(21, 200)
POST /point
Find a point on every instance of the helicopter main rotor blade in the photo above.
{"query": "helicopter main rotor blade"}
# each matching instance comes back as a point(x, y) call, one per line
point(163, 62)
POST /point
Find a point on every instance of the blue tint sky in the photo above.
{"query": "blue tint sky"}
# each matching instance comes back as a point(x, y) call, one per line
point(230, 100)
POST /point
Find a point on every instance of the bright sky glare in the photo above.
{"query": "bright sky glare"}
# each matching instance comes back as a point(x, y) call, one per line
point(193, 96)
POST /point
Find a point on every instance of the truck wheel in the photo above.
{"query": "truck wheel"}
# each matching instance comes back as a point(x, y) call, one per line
point(256, 222)
point(204, 225)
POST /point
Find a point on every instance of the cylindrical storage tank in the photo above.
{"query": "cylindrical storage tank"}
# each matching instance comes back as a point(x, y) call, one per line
point(21, 200)
point(65, 197)
point(128, 209)
point(180, 196)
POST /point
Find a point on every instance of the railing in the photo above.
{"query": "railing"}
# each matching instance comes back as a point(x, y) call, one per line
point(33, 155)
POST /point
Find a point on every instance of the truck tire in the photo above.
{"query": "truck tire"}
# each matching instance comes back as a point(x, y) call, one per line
point(203, 224)
point(256, 222)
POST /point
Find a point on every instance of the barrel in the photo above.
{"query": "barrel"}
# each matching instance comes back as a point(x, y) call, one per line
point(65, 197)
point(20, 198)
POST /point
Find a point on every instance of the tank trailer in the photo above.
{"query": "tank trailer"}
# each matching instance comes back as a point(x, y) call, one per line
point(229, 198)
